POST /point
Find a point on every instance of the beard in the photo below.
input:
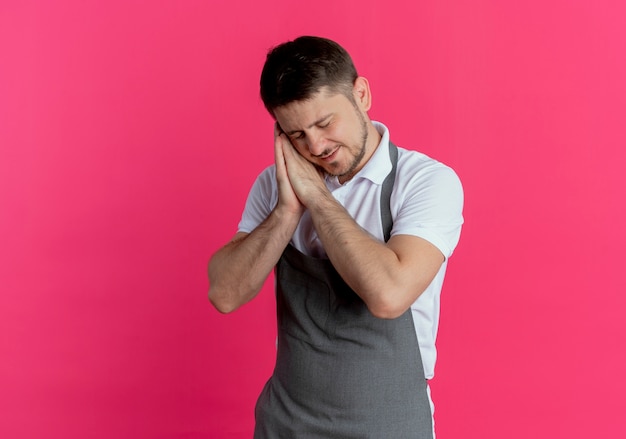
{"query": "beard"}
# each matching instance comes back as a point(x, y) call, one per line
point(361, 149)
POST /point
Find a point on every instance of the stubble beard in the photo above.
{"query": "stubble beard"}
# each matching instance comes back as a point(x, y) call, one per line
point(356, 161)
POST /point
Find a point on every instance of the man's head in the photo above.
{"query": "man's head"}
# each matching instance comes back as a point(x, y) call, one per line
point(298, 69)
point(311, 88)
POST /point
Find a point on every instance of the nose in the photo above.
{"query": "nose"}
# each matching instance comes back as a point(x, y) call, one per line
point(317, 144)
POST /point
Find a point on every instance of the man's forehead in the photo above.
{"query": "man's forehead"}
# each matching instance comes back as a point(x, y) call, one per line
point(306, 113)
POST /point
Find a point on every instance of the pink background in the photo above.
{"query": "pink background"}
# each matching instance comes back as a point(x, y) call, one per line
point(130, 133)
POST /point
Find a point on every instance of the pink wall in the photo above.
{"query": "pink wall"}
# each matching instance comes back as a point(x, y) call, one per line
point(130, 133)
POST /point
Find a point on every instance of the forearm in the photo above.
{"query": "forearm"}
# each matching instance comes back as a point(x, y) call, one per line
point(238, 270)
point(388, 277)
point(359, 258)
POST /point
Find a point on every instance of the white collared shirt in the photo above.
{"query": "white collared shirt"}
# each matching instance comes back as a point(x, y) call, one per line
point(427, 201)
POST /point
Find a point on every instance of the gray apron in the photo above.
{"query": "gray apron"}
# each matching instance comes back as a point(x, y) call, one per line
point(341, 372)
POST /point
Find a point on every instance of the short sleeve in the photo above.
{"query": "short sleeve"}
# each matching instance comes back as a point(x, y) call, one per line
point(431, 206)
point(262, 198)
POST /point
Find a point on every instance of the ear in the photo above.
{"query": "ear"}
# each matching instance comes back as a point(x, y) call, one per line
point(362, 94)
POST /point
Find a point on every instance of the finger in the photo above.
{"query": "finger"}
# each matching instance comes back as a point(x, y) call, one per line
point(291, 158)
point(289, 151)
point(279, 157)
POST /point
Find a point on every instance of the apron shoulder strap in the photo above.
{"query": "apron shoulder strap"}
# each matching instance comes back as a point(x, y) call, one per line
point(385, 193)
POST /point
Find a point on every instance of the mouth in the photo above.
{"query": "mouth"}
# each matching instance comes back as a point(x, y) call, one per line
point(330, 157)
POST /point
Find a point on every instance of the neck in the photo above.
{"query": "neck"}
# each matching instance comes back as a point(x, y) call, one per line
point(373, 140)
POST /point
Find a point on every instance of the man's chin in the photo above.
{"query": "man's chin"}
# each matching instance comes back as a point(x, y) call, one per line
point(332, 171)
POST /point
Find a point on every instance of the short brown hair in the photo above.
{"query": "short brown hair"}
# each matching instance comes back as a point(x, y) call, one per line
point(298, 69)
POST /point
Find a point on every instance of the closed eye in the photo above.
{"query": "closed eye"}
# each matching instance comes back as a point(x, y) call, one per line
point(324, 123)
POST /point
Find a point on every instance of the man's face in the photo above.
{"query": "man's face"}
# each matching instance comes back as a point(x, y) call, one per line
point(329, 130)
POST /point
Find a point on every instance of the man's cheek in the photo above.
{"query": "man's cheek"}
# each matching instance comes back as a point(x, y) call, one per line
point(301, 148)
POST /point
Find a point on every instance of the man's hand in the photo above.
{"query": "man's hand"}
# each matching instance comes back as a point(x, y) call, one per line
point(238, 270)
point(305, 178)
point(287, 198)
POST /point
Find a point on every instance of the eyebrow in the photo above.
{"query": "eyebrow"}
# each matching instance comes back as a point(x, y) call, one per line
point(317, 122)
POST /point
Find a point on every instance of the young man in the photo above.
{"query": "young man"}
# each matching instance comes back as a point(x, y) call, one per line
point(359, 233)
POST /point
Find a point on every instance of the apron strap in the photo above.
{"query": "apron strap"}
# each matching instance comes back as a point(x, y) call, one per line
point(385, 193)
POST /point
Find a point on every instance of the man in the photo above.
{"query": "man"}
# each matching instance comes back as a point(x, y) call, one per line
point(359, 232)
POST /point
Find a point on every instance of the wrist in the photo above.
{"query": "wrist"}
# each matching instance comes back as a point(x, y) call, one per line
point(287, 216)
point(322, 201)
